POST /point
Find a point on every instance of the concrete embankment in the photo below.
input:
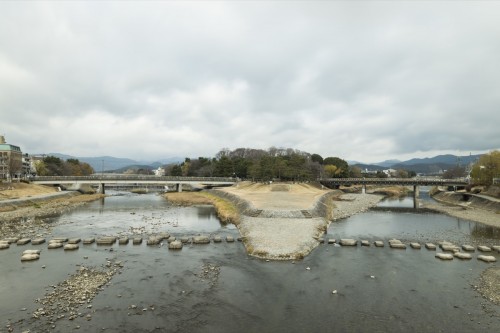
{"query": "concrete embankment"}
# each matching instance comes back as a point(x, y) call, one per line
point(467, 206)
point(29, 201)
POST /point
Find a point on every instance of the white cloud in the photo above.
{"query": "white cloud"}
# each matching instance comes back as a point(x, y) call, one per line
point(147, 80)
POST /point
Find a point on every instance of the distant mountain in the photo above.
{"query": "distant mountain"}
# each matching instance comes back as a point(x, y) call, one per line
point(445, 159)
point(110, 163)
point(387, 163)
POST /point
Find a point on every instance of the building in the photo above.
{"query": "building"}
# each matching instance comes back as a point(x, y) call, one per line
point(11, 160)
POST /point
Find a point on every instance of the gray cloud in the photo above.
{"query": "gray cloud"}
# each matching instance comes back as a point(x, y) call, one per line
point(365, 81)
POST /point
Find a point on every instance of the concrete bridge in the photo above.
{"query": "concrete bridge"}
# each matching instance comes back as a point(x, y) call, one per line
point(415, 182)
point(75, 182)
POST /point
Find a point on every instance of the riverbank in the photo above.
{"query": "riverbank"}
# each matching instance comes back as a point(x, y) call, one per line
point(475, 209)
point(24, 218)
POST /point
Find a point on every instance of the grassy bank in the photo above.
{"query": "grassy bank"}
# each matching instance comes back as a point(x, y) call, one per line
point(225, 210)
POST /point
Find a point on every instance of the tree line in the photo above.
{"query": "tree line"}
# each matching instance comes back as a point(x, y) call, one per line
point(285, 164)
point(54, 166)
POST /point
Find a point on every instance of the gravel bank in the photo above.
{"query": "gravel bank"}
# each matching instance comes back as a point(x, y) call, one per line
point(27, 221)
point(353, 203)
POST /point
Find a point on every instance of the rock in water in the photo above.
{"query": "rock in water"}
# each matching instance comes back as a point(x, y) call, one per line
point(30, 257)
point(175, 245)
point(444, 256)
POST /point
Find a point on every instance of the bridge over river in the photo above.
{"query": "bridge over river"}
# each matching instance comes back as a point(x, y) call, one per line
point(75, 182)
point(415, 182)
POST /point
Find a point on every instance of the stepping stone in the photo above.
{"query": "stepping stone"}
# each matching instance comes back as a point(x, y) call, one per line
point(88, 240)
point(60, 239)
point(331, 241)
point(444, 256)
point(365, 243)
point(449, 248)
point(175, 245)
point(23, 241)
point(106, 240)
point(348, 242)
point(11, 240)
point(153, 241)
point(163, 235)
point(74, 240)
point(217, 239)
point(396, 244)
point(171, 239)
point(484, 258)
point(496, 248)
point(137, 240)
point(185, 239)
point(123, 240)
point(70, 247)
point(462, 255)
point(415, 245)
point(379, 243)
point(483, 248)
point(430, 246)
point(38, 241)
point(31, 252)
point(30, 257)
point(229, 239)
point(468, 248)
point(201, 240)
point(4, 245)
point(54, 245)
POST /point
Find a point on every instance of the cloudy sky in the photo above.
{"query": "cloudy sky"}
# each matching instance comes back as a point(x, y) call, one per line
point(364, 81)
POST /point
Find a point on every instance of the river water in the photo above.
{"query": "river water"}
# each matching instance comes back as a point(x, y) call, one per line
point(160, 290)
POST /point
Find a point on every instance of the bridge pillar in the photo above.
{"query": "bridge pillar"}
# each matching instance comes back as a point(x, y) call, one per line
point(416, 194)
point(179, 187)
point(101, 188)
point(363, 189)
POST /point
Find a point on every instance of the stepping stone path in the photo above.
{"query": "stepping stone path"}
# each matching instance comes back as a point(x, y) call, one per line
point(416, 246)
point(54, 245)
point(365, 243)
point(4, 245)
point(217, 239)
point(74, 240)
point(379, 243)
point(137, 240)
point(485, 258)
point(153, 240)
point(230, 239)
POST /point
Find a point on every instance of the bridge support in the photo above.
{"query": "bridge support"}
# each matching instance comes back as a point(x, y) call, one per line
point(363, 189)
point(179, 187)
point(101, 188)
point(416, 194)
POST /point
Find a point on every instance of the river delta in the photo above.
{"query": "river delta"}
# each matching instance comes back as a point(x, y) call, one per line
point(217, 287)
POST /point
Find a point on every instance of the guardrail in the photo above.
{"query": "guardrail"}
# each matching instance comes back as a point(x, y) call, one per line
point(105, 178)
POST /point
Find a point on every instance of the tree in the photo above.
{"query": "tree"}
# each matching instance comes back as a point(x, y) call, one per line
point(317, 158)
point(355, 172)
point(486, 168)
point(176, 170)
point(340, 164)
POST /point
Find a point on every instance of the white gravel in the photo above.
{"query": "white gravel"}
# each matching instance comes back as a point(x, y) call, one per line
point(352, 203)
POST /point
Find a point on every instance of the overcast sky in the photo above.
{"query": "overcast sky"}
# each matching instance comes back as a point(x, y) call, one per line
point(364, 81)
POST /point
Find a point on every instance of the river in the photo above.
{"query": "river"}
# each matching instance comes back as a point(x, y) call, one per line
point(218, 288)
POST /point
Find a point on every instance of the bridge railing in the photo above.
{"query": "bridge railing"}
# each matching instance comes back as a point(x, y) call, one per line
point(409, 181)
point(133, 177)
